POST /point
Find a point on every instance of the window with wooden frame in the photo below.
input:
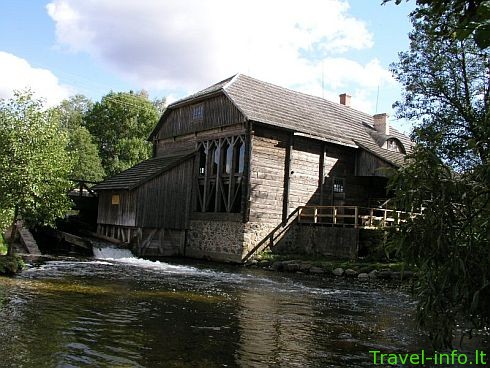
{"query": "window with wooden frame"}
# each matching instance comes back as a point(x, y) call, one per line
point(338, 185)
point(219, 181)
point(198, 112)
point(115, 199)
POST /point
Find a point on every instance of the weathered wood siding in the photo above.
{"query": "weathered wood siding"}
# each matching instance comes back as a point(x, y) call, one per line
point(305, 173)
point(370, 165)
point(267, 175)
point(310, 176)
point(216, 112)
point(123, 214)
point(164, 201)
point(189, 141)
point(340, 162)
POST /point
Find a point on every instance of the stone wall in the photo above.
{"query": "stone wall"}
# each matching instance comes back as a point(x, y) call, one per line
point(228, 241)
point(231, 241)
point(318, 240)
point(216, 240)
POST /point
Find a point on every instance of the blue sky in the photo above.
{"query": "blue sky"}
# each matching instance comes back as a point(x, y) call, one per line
point(174, 47)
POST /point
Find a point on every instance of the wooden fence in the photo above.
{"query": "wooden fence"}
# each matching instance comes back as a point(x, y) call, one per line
point(353, 216)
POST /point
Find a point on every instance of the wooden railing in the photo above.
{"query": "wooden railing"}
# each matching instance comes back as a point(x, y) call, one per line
point(353, 216)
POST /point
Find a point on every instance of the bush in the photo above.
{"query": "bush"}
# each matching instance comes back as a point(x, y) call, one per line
point(10, 265)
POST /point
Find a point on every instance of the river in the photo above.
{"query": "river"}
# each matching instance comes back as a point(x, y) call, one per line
point(129, 312)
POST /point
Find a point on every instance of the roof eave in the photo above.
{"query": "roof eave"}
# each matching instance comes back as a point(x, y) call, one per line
point(146, 179)
point(385, 159)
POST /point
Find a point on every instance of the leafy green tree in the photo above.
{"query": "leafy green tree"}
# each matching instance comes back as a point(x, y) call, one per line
point(87, 164)
point(120, 124)
point(160, 104)
point(33, 161)
point(85, 155)
point(446, 83)
point(457, 18)
point(73, 110)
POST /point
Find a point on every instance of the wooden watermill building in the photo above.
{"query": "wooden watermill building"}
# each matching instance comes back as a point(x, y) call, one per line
point(236, 165)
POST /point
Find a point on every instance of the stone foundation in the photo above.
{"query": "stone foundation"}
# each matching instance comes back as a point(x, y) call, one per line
point(336, 242)
point(224, 240)
point(216, 240)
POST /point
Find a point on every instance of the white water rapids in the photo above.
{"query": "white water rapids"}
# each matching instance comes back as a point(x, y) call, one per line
point(113, 254)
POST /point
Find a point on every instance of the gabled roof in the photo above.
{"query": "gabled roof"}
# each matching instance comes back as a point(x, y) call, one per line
point(142, 172)
point(313, 116)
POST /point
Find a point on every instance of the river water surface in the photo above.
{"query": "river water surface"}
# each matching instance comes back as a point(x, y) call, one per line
point(130, 312)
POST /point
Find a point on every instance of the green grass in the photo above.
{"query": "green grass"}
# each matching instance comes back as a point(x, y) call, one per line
point(3, 246)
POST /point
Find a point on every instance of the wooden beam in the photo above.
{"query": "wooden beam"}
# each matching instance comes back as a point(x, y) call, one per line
point(247, 173)
point(321, 174)
point(287, 178)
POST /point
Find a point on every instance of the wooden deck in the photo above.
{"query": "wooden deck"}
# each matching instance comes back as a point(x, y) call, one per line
point(353, 216)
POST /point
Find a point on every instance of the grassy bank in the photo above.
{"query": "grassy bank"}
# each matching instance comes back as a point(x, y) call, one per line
point(329, 264)
point(10, 265)
point(3, 246)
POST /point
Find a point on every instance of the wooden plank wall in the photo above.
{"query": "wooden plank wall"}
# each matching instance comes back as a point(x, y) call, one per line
point(189, 141)
point(305, 165)
point(269, 154)
point(267, 175)
point(370, 165)
point(217, 112)
point(123, 214)
point(164, 202)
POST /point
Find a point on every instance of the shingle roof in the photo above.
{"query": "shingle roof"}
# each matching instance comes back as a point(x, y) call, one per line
point(277, 106)
point(142, 172)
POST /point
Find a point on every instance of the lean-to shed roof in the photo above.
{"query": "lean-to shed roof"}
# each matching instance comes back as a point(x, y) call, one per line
point(142, 172)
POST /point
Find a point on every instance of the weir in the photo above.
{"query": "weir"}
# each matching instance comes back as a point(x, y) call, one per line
point(101, 252)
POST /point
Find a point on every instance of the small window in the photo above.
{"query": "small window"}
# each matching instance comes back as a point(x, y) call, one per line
point(197, 112)
point(338, 185)
point(392, 146)
point(115, 199)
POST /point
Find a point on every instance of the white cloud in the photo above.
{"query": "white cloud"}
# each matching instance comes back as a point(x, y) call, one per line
point(17, 74)
point(188, 44)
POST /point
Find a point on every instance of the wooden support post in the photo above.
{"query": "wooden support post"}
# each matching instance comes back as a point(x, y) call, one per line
point(384, 218)
point(322, 172)
point(315, 215)
point(247, 173)
point(356, 215)
point(287, 178)
point(371, 214)
point(334, 215)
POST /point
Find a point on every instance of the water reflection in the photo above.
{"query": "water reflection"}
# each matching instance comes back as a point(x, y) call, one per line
point(117, 314)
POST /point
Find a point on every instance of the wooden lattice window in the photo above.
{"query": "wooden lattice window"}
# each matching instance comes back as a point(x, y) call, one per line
point(220, 175)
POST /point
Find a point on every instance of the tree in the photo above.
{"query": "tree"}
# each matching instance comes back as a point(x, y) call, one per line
point(446, 83)
point(160, 104)
point(33, 161)
point(457, 18)
point(120, 125)
point(87, 164)
point(73, 110)
point(85, 155)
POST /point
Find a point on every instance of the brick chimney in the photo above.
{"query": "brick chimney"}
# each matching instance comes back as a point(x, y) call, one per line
point(381, 123)
point(345, 99)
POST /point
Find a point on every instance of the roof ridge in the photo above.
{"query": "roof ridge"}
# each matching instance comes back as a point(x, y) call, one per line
point(307, 95)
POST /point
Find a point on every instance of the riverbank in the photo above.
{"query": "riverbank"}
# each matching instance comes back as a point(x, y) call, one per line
point(11, 265)
point(336, 268)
